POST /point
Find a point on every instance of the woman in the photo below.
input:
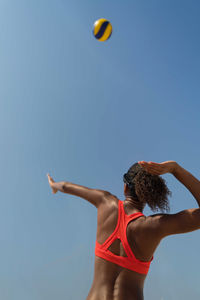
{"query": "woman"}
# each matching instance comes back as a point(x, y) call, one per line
point(126, 239)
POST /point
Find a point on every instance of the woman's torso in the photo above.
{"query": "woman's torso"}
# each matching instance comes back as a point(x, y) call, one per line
point(111, 281)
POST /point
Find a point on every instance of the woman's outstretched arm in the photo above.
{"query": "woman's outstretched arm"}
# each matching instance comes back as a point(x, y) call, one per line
point(94, 196)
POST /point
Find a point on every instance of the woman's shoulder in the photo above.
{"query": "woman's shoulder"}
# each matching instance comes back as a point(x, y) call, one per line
point(110, 202)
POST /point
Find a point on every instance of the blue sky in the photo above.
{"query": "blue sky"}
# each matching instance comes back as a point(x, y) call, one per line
point(85, 111)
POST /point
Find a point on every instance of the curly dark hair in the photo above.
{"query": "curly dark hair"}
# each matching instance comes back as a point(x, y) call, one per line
point(147, 188)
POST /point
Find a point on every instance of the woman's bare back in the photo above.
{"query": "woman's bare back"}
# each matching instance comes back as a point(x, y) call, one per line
point(111, 281)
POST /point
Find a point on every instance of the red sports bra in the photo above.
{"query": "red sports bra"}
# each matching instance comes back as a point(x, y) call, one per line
point(130, 262)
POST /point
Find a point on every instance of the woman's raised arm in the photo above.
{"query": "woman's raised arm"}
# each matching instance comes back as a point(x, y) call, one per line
point(186, 220)
point(185, 177)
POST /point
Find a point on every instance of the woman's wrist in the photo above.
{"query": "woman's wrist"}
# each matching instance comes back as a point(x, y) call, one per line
point(174, 167)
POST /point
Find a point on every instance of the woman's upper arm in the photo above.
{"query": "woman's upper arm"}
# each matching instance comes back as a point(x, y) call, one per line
point(181, 222)
point(94, 196)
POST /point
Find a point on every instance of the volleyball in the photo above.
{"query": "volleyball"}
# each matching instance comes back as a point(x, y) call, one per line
point(102, 30)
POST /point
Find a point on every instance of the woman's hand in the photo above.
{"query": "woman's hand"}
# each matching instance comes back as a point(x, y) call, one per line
point(51, 183)
point(159, 168)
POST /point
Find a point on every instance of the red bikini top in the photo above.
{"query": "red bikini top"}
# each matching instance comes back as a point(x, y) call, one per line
point(130, 262)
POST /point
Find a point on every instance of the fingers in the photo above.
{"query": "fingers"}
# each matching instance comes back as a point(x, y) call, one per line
point(151, 167)
point(51, 182)
point(49, 177)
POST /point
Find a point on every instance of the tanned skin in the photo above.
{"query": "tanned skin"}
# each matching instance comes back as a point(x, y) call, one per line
point(112, 282)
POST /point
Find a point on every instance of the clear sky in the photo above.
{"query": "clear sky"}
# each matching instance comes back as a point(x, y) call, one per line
point(85, 111)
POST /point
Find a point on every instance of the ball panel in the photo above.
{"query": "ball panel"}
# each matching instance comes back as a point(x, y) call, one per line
point(101, 32)
point(98, 24)
point(107, 33)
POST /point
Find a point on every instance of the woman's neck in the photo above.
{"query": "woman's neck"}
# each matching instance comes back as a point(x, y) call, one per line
point(133, 204)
